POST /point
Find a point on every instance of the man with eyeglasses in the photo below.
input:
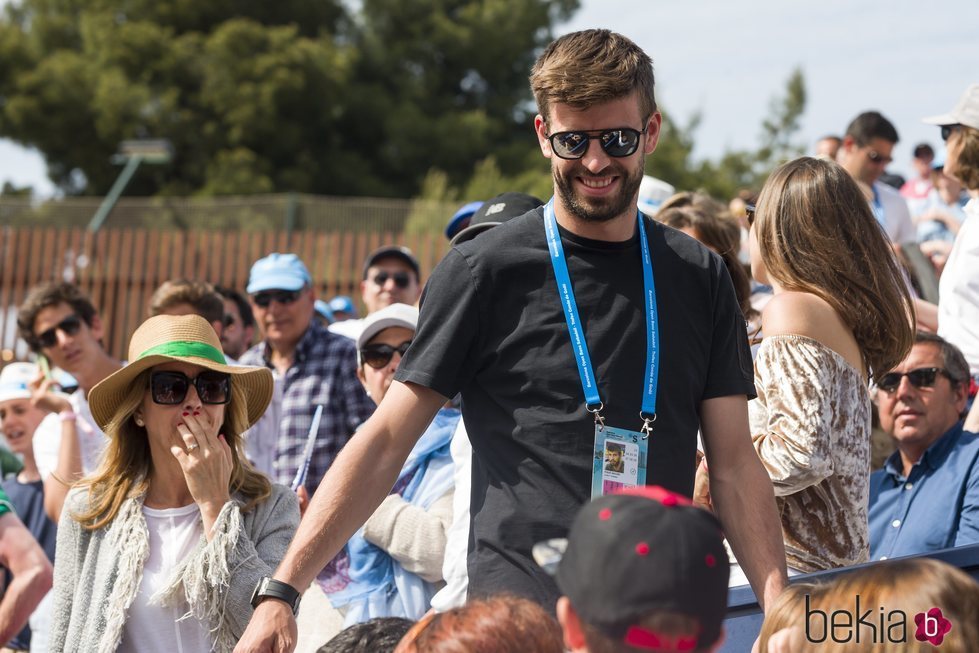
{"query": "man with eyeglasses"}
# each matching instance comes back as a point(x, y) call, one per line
point(392, 275)
point(927, 495)
point(60, 324)
point(312, 367)
point(667, 357)
point(865, 153)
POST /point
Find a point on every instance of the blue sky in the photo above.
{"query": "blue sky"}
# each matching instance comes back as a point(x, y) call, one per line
point(905, 58)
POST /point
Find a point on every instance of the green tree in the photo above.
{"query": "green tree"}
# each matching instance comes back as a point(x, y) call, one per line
point(261, 96)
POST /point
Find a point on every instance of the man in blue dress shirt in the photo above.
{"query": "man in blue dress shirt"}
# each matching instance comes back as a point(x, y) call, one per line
point(927, 495)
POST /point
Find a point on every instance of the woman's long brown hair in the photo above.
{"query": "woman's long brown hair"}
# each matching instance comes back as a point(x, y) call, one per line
point(816, 234)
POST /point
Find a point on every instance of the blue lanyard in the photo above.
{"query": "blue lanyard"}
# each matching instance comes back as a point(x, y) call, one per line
point(877, 207)
point(593, 402)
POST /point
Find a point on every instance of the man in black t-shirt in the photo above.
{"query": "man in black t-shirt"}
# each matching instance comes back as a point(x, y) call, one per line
point(493, 328)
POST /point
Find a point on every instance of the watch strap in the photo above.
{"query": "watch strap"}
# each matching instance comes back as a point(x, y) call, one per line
point(275, 589)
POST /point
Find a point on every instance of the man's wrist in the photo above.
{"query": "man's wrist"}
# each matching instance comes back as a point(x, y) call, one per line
point(269, 588)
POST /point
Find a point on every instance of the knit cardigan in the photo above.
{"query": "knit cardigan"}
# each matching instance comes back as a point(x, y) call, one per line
point(98, 573)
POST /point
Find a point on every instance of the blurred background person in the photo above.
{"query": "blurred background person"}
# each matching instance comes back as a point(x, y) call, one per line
point(343, 308)
point(175, 522)
point(19, 419)
point(392, 275)
point(958, 304)
point(239, 323)
point(917, 188)
point(59, 323)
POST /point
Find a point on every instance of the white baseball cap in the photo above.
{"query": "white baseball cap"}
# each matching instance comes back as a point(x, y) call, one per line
point(400, 315)
point(966, 112)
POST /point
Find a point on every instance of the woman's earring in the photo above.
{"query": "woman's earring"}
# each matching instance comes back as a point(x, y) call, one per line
point(139, 421)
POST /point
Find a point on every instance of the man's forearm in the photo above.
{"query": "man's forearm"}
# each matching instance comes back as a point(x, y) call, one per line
point(745, 503)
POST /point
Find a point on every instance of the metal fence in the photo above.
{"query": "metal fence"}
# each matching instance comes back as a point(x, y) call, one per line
point(284, 212)
point(119, 267)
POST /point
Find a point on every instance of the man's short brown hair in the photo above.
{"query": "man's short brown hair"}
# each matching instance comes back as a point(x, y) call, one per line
point(202, 297)
point(49, 294)
point(592, 67)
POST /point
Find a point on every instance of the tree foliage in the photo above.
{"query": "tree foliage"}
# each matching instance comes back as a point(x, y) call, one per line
point(261, 96)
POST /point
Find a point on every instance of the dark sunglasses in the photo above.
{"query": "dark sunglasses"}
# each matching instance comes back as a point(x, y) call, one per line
point(877, 157)
point(266, 297)
point(948, 130)
point(620, 142)
point(401, 279)
point(170, 388)
point(749, 211)
point(923, 377)
point(377, 356)
point(68, 326)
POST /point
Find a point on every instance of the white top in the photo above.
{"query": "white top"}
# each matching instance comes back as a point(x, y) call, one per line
point(91, 440)
point(897, 217)
point(455, 568)
point(262, 439)
point(174, 532)
point(958, 290)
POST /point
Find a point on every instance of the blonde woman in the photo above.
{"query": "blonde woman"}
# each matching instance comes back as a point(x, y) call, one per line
point(839, 315)
point(160, 548)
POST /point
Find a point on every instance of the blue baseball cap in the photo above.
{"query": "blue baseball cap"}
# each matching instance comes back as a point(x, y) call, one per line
point(343, 304)
point(461, 219)
point(323, 309)
point(278, 272)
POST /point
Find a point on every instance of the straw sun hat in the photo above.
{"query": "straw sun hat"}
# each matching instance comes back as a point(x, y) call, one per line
point(185, 338)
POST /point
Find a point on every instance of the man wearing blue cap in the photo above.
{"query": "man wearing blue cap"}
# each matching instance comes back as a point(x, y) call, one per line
point(312, 366)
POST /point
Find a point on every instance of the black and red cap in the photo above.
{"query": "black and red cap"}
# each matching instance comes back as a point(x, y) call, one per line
point(640, 551)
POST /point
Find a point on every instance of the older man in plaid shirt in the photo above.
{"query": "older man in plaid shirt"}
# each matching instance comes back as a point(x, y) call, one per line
point(312, 368)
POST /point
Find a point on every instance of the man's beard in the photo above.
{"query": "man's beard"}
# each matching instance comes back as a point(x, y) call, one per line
point(603, 209)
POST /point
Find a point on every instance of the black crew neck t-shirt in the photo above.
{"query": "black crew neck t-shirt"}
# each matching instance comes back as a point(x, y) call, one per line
point(492, 327)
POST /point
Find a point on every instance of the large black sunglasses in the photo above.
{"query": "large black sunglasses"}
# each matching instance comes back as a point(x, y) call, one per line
point(377, 356)
point(69, 326)
point(170, 388)
point(620, 142)
point(948, 130)
point(923, 377)
point(401, 279)
point(266, 297)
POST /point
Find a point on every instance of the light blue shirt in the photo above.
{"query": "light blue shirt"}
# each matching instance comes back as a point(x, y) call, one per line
point(935, 507)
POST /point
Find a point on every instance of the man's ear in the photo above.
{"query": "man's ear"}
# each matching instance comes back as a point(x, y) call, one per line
point(541, 128)
point(652, 132)
point(574, 633)
point(96, 327)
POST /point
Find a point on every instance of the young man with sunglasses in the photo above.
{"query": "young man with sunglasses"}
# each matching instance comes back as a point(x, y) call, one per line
point(60, 323)
point(865, 153)
point(391, 276)
point(312, 367)
point(927, 495)
point(498, 325)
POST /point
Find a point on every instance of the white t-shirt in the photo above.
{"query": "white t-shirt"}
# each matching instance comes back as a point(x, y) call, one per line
point(897, 217)
point(91, 440)
point(455, 568)
point(174, 532)
point(958, 290)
